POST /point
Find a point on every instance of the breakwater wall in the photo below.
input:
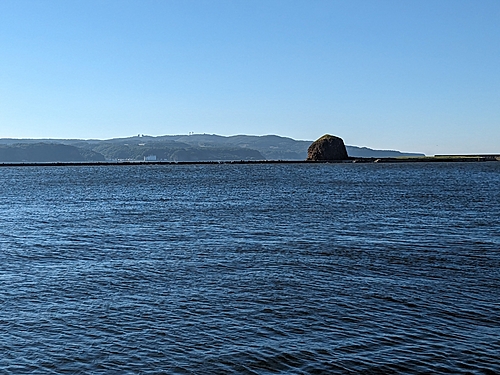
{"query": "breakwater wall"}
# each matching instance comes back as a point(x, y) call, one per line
point(428, 159)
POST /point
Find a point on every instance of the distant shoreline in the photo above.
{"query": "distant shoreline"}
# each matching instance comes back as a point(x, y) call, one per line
point(427, 159)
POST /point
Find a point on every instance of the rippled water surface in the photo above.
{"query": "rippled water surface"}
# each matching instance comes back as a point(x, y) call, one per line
point(256, 269)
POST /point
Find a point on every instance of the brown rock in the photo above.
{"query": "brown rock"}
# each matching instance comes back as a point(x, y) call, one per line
point(328, 147)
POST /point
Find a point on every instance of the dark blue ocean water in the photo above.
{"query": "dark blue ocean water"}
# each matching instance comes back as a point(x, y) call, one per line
point(250, 269)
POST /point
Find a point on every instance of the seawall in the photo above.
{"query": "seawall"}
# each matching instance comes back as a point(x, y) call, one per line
point(428, 159)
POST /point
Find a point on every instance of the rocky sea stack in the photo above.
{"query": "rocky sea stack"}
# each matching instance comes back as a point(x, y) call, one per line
point(328, 147)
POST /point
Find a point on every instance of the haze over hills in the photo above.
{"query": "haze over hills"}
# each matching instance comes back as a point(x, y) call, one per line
point(194, 147)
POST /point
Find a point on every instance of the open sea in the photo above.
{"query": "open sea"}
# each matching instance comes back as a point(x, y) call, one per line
point(250, 269)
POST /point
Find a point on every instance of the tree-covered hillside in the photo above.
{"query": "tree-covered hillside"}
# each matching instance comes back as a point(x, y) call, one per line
point(173, 151)
point(196, 147)
point(46, 152)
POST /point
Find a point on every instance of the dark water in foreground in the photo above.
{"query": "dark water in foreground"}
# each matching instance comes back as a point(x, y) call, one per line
point(256, 269)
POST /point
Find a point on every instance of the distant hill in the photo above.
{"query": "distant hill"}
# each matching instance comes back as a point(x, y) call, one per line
point(365, 152)
point(172, 151)
point(46, 152)
point(196, 147)
point(274, 147)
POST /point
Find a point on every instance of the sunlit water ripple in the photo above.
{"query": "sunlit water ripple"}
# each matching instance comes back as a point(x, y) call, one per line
point(256, 269)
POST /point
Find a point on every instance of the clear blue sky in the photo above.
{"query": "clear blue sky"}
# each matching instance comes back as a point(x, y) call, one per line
point(420, 75)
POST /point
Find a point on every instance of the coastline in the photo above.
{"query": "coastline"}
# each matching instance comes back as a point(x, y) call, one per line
point(426, 159)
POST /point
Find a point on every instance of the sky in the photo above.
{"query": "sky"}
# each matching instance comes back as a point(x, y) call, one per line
point(419, 76)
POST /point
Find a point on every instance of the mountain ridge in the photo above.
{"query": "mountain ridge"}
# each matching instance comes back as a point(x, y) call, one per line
point(192, 147)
